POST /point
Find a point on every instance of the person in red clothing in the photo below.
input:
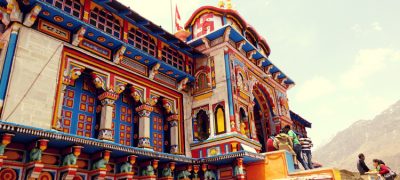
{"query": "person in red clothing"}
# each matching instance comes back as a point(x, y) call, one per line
point(270, 144)
point(384, 171)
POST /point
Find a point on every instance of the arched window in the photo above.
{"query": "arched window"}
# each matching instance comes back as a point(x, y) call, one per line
point(219, 120)
point(172, 57)
point(202, 81)
point(142, 41)
point(72, 7)
point(79, 108)
point(240, 80)
point(105, 21)
point(244, 123)
point(203, 125)
point(124, 123)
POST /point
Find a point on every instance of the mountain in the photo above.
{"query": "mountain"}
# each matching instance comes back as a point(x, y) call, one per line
point(377, 138)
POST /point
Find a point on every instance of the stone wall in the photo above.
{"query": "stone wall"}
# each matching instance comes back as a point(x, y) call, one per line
point(34, 51)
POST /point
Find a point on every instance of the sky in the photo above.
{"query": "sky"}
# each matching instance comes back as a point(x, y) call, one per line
point(343, 55)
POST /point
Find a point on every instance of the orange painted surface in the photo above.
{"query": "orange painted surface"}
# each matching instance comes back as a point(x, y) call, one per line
point(273, 167)
point(322, 171)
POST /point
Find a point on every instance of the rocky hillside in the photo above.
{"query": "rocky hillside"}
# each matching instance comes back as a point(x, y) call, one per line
point(376, 138)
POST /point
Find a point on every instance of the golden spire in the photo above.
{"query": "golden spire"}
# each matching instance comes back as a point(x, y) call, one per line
point(228, 4)
point(221, 4)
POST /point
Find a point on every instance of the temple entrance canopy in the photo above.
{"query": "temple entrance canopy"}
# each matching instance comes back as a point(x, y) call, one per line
point(264, 123)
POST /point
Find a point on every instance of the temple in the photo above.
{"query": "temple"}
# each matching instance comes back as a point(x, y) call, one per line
point(90, 89)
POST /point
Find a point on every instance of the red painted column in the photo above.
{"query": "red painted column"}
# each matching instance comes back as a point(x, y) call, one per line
point(86, 11)
point(125, 33)
point(159, 48)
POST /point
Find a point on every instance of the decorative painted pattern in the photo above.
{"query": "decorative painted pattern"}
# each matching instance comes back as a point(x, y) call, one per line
point(79, 108)
point(95, 48)
point(157, 133)
point(54, 30)
point(123, 117)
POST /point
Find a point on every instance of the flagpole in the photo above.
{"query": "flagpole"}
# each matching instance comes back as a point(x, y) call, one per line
point(172, 17)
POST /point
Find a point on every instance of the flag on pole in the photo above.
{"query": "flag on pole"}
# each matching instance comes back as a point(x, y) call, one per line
point(178, 21)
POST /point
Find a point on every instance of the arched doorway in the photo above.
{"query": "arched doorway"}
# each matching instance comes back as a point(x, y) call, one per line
point(265, 126)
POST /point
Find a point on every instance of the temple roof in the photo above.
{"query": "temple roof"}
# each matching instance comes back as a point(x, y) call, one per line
point(301, 120)
point(237, 37)
point(229, 13)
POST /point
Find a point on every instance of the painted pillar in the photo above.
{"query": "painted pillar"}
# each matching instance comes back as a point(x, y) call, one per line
point(144, 112)
point(212, 122)
point(107, 101)
point(229, 89)
point(173, 122)
point(252, 121)
point(8, 61)
point(125, 31)
point(86, 11)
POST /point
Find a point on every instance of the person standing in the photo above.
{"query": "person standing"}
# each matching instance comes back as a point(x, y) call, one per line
point(282, 141)
point(270, 144)
point(361, 166)
point(296, 146)
point(306, 145)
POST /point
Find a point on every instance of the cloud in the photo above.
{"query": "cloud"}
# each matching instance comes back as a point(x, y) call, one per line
point(314, 88)
point(363, 30)
point(367, 63)
point(356, 28)
point(376, 26)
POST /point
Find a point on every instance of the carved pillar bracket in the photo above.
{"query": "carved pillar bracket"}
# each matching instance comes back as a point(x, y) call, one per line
point(126, 169)
point(34, 168)
point(6, 139)
point(144, 112)
point(68, 167)
point(5, 18)
point(173, 121)
point(240, 44)
point(31, 17)
point(196, 169)
point(14, 11)
point(99, 168)
point(107, 101)
point(251, 53)
point(119, 54)
point(154, 71)
point(261, 61)
point(206, 42)
point(78, 36)
point(227, 33)
point(238, 170)
point(183, 84)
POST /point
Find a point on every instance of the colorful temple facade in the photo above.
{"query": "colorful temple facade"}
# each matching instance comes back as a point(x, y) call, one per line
point(90, 89)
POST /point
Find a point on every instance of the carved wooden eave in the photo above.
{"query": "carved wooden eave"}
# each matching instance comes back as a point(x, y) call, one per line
point(240, 44)
point(261, 61)
point(206, 42)
point(226, 34)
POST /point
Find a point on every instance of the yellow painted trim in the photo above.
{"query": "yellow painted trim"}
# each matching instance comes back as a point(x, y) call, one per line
point(203, 96)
